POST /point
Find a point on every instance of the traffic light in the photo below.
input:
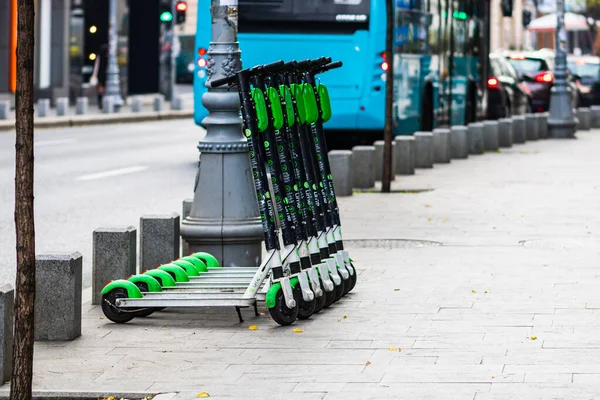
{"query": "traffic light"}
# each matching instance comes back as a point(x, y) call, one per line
point(507, 8)
point(165, 13)
point(526, 18)
point(180, 9)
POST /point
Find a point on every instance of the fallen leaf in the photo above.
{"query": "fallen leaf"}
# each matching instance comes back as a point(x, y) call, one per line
point(473, 291)
point(253, 327)
point(203, 394)
point(486, 291)
point(100, 317)
point(429, 219)
point(164, 351)
point(394, 349)
point(445, 219)
point(534, 338)
point(397, 290)
point(339, 320)
point(368, 363)
point(297, 330)
point(345, 316)
point(262, 314)
point(427, 205)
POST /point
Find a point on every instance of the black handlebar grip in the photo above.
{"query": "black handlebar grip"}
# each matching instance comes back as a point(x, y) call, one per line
point(273, 66)
point(222, 81)
point(321, 61)
point(330, 66)
point(290, 65)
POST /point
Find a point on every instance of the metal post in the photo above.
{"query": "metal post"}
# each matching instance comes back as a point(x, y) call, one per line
point(561, 123)
point(224, 219)
point(113, 88)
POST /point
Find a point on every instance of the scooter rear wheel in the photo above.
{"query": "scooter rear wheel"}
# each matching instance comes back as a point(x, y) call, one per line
point(144, 312)
point(305, 308)
point(110, 309)
point(281, 313)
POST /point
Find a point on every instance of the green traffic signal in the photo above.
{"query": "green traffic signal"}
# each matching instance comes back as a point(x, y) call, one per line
point(166, 16)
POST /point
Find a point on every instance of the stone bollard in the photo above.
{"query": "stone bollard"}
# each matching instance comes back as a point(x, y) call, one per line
point(81, 108)
point(7, 304)
point(58, 296)
point(341, 169)
point(531, 127)
point(476, 138)
point(543, 125)
point(594, 117)
point(159, 103)
point(405, 155)
point(583, 113)
point(159, 240)
point(114, 257)
point(423, 149)
point(186, 209)
point(108, 105)
point(178, 103)
point(505, 132)
point(363, 168)
point(490, 135)
point(441, 145)
point(4, 109)
point(136, 104)
point(378, 162)
point(519, 135)
point(459, 142)
point(62, 106)
point(43, 107)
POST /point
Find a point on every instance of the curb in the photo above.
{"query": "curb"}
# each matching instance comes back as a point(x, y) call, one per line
point(100, 119)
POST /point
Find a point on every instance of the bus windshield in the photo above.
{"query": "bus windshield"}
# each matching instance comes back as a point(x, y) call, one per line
point(303, 16)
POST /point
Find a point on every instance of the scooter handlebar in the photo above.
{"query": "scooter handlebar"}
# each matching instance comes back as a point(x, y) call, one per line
point(330, 66)
point(222, 81)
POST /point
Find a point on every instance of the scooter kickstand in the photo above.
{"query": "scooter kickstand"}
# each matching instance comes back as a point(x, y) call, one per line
point(239, 313)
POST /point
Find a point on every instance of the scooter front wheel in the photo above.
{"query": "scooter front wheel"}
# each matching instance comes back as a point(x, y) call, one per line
point(329, 296)
point(339, 290)
point(281, 313)
point(305, 308)
point(353, 278)
point(320, 301)
point(110, 309)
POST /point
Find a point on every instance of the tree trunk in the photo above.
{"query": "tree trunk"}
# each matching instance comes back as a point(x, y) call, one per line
point(21, 378)
point(389, 98)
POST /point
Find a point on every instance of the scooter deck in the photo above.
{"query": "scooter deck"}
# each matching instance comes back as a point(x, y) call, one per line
point(190, 299)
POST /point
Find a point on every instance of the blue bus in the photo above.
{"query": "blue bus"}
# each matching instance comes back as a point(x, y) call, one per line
point(440, 56)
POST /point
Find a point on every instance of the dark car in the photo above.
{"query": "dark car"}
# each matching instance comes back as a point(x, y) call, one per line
point(507, 95)
point(586, 74)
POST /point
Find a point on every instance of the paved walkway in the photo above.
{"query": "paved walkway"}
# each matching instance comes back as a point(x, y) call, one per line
point(505, 306)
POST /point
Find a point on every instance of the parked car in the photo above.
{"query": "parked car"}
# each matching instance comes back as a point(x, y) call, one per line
point(535, 71)
point(586, 73)
point(507, 95)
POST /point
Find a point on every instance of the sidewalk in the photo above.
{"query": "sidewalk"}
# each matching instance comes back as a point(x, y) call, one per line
point(484, 287)
point(95, 116)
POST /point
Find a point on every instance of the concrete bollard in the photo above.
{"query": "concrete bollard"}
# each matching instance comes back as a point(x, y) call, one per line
point(542, 125)
point(81, 108)
point(531, 127)
point(363, 168)
point(475, 134)
point(114, 257)
point(7, 304)
point(178, 103)
point(490, 135)
point(58, 296)
point(158, 103)
point(341, 169)
point(423, 149)
point(441, 145)
point(583, 113)
point(378, 162)
point(594, 117)
point(159, 240)
point(43, 107)
point(186, 209)
point(62, 106)
point(136, 104)
point(4, 109)
point(459, 142)
point(505, 132)
point(405, 155)
point(518, 128)
point(108, 105)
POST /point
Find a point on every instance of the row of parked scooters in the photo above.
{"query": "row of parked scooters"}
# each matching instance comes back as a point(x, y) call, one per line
point(306, 268)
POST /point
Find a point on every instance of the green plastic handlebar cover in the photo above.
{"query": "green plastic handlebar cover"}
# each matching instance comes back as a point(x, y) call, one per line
point(276, 110)
point(285, 93)
point(297, 93)
point(310, 104)
point(261, 109)
point(166, 279)
point(133, 292)
point(151, 282)
point(325, 102)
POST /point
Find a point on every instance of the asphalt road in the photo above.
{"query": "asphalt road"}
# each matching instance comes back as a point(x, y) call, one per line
point(98, 176)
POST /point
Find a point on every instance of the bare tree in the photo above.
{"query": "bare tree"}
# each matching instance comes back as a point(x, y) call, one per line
point(389, 98)
point(22, 373)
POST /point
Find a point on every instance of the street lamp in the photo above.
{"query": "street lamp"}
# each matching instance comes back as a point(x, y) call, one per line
point(224, 218)
point(113, 88)
point(561, 122)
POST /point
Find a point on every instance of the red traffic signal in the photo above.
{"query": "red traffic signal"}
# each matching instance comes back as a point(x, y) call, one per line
point(180, 9)
point(181, 6)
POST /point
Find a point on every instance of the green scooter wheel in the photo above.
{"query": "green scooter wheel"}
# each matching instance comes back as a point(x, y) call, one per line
point(110, 309)
point(305, 308)
point(281, 313)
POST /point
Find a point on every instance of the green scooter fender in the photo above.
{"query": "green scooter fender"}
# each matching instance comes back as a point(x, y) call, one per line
point(133, 292)
point(310, 104)
point(276, 109)
point(166, 278)
point(177, 271)
point(286, 95)
point(198, 263)
point(152, 283)
point(271, 297)
point(188, 267)
point(325, 102)
point(262, 118)
point(208, 259)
